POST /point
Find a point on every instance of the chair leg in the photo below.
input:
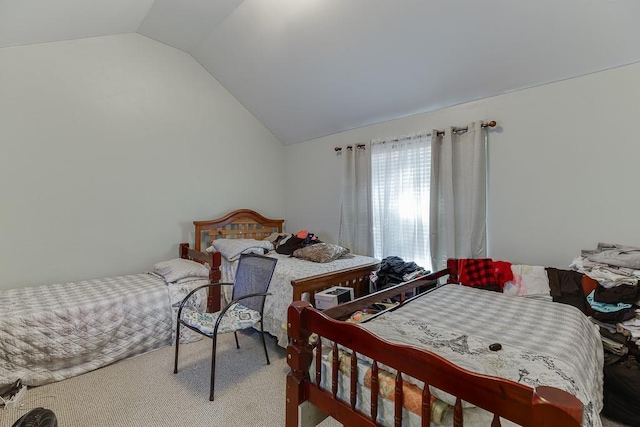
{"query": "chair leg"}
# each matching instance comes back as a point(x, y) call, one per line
point(263, 343)
point(213, 368)
point(175, 363)
point(235, 333)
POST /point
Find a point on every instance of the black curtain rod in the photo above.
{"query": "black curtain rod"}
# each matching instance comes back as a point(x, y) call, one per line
point(490, 124)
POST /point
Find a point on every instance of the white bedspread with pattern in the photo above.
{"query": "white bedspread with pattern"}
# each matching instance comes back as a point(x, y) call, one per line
point(49, 333)
point(543, 343)
point(288, 269)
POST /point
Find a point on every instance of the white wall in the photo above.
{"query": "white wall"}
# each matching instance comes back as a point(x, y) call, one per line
point(564, 167)
point(111, 147)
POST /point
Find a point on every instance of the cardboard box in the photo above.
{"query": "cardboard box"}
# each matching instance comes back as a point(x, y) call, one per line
point(332, 297)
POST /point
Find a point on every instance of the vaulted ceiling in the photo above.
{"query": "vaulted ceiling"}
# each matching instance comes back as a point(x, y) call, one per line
point(309, 68)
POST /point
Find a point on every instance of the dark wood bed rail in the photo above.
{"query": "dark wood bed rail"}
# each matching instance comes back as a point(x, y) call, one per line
point(452, 266)
point(343, 311)
point(213, 260)
point(544, 406)
point(356, 278)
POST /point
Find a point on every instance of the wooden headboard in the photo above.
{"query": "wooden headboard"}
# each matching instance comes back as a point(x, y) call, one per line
point(239, 224)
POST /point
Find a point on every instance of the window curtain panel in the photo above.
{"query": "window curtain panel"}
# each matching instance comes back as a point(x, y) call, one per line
point(400, 181)
point(458, 195)
point(355, 207)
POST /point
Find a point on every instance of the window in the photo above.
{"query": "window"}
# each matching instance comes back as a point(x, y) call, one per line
point(400, 177)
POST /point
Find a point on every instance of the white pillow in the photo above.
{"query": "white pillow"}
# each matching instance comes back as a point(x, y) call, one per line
point(231, 249)
point(179, 268)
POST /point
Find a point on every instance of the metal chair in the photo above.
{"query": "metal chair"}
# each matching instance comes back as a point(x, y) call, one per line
point(250, 288)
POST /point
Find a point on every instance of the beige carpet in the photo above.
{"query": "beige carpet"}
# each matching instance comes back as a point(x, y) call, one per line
point(143, 391)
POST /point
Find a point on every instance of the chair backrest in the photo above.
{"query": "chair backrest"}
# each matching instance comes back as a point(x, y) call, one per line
point(253, 276)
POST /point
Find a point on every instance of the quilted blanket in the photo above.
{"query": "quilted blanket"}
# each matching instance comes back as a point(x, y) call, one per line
point(543, 343)
point(49, 333)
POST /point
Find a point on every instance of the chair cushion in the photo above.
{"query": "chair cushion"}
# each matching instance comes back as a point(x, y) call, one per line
point(236, 318)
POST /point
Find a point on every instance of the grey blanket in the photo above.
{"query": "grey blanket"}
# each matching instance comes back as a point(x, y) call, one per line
point(53, 332)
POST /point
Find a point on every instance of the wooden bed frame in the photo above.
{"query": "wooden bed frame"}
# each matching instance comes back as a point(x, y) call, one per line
point(248, 224)
point(210, 259)
point(307, 403)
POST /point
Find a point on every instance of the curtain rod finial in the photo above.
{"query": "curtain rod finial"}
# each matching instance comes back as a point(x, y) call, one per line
point(492, 124)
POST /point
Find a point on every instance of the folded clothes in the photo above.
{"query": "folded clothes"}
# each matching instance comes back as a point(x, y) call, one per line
point(614, 336)
point(615, 254)
point(615, 316)
point(608, 276)
point(623, 293)
point(605, 307)
point(630, 327)
point(611, 327)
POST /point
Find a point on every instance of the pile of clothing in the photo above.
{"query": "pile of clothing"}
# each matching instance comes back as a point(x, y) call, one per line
point(394, 270)
point(287, 243)
point(616, 271)
point(603, 284)
point(614, 307)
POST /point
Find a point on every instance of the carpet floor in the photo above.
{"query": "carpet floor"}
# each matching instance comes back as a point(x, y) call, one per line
point(143, 391)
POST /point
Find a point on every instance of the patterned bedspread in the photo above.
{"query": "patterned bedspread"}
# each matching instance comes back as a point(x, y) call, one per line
point(543, 343)
point(49, 333)
point(288, 269)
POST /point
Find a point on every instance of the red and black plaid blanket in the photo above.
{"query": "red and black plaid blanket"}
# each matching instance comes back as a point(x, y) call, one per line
point(484, 272)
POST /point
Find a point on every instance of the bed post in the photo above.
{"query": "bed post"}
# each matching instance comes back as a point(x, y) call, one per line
point(452, 266)
point(555, 407)
point(184, 250)
point(299, 356)
point(214, 298)
point(214, 260)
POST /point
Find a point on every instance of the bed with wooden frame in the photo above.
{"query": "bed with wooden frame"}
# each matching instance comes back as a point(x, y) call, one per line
point(248, 224)
point(321, 383)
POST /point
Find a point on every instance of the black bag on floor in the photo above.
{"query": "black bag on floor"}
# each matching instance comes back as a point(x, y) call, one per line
point(622, 392)
point(39, 417)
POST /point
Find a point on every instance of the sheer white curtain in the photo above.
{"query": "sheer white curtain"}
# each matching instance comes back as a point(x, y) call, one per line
point(458, 195)
point(400, 174)
point(355, 212)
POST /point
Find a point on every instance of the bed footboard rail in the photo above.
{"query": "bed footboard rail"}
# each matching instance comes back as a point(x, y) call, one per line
point(544, 406)
point(356, 278)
